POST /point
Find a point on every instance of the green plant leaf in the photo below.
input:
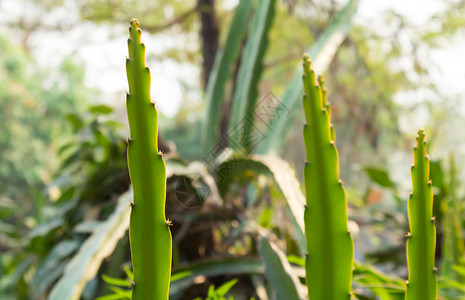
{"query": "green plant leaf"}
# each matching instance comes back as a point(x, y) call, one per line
point(75, 121)
point(53, 265)
point(283, 174)
point(383, 286)
point(101, 109)
point(115, 281)
point(451, 208)
point(283, 281)
point(221, 72)
point(85, 264)
point(379, 176)
point(221, 291)
point(250, 71)
point(289, 185)
point(113, 297)
point(228, 266)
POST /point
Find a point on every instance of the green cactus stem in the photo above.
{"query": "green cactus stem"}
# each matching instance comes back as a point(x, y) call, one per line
point(329, 243)
point(149, 231)
point(421, 240)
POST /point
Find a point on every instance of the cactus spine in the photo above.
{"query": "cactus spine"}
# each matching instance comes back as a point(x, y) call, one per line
point(330, 246)
point(150, 236)
point(421, 243)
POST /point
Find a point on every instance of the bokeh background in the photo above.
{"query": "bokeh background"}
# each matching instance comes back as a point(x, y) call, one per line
point(63, 123)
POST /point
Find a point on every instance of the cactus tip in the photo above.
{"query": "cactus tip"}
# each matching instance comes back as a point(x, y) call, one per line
point(435, 269)
point(321, 82)
point(132, 284)
point(169, 223)
point(433, 219)
point(408, 235)
point(134, 24)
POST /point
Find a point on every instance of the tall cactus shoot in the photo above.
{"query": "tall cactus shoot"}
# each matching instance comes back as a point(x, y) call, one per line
point(421, 244)
point(330, 245)
point(149, 231)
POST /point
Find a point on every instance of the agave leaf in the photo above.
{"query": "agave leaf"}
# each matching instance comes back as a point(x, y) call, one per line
point(221, 72)
point(283, 281)
point(53, 265)
point(250, 71)
point(228, 266)
point(283, 174)
point(85, 264)
point(453, 242)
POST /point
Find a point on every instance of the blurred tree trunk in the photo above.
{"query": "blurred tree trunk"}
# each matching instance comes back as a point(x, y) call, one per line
point(209, 35)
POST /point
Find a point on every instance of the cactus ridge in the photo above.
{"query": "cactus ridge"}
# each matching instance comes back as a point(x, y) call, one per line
point(421, 244)
point(330, 245)
point(150, 237)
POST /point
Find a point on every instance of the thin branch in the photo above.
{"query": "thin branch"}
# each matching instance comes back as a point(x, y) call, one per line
point(179, 19)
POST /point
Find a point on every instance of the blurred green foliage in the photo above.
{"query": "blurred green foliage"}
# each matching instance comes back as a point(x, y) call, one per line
point(32, 109)
point(63, 162)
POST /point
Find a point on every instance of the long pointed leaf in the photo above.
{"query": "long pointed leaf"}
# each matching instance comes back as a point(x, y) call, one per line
point(230, 266)
point(283, 281)
point(250, 71)
point(221, 72)
point(287, 181)
point(85, 264)
point(453, 243)
point(284, 176)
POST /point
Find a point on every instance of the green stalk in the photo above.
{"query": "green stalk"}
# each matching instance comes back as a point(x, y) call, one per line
point(330, 246)
point(149, 231)
point(453, 243)
point(421, 243)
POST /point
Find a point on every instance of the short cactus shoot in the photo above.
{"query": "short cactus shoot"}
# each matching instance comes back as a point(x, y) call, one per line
point(421, 242)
